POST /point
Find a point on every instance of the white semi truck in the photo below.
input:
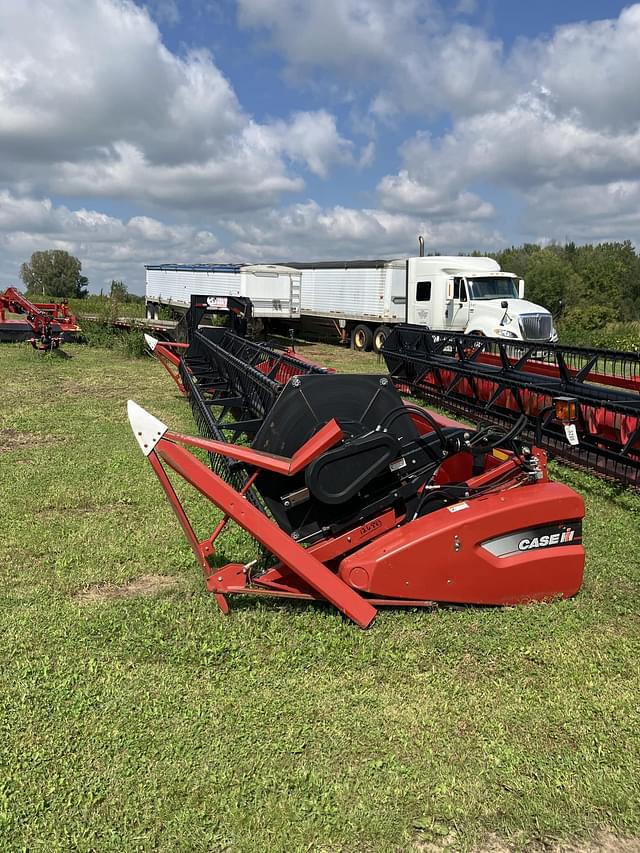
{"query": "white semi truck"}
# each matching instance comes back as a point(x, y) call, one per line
point(362, 300)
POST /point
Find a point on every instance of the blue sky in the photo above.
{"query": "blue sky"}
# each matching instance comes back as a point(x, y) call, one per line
point(208, 130)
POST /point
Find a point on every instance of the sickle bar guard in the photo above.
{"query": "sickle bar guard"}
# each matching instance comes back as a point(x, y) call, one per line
point(360, 499)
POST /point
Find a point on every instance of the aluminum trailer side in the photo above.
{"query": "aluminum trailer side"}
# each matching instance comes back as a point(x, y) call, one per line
point(274, 290)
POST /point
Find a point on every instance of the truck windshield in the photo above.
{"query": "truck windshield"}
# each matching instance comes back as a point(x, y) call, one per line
point(493, 287)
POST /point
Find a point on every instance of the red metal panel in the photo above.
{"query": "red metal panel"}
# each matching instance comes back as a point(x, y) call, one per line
point(303, 564)
point(325, 438)
point(440, 556)
point(170, 361)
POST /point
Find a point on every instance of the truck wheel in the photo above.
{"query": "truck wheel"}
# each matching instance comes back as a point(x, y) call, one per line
point(379, 337)
point(361, 338)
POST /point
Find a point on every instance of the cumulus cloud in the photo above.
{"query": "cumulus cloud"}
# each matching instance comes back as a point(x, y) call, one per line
point(584, 213)
point(406, 53)
point(164, 11)
point(243, 179)
point(307, 230)
point(559, 111)
point(109, 247)
point(311, 138)
point(570, 134)
point(592, 69)
point(522, 146)
point(95, 104)
point(95, 107)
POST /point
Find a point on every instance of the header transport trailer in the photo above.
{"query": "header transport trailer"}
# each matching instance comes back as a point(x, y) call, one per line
point(361, 301)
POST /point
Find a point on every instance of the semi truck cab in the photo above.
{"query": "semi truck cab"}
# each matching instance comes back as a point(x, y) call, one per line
point(473, 295)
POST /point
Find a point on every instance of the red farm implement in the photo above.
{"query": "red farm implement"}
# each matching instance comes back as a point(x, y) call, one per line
point(356, 498)
point(44, 324)
point(502, 382)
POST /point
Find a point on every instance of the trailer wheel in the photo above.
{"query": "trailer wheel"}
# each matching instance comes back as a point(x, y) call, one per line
point(361, 338)
point(379, 337)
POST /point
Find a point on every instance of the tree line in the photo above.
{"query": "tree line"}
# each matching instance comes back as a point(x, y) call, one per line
point(591, 286)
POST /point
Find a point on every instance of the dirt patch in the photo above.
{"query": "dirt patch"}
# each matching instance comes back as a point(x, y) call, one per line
point(143, 585)
point(14, 439)
point(82, 509)
point(107, 387)
point(603, 842)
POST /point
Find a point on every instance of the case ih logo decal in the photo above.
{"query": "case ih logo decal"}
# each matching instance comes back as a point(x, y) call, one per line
point(546, 540)
point(553, 536)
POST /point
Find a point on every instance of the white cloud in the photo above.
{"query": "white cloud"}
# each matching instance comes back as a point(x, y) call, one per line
point(406, 53)
point(592, 69)
point(164, 11)
point(585, 213)
point(523, 145)
point(571, 134)
point(310, 138)
point(93, 103)
point(95, 106)
point(433, 198)
point(110, 247)
point(248, 177)
point(107, 246)
point(306, 230)
point(560, 111)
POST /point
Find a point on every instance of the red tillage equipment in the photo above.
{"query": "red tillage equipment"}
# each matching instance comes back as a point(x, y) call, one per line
point(357, 498)
point(45, 324)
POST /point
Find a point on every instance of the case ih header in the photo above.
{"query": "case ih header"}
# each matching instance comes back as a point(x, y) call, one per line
point(45, 323)
point(356, 497)
point(503, 381)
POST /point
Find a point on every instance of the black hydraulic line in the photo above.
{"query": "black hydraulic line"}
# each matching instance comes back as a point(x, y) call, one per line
point(394, 414)
point(517, 429)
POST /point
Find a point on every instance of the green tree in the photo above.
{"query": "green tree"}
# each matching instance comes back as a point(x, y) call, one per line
point(54, 272)
point(611, 276)
point(551, 280)
point(119, 292)
point(517, 258)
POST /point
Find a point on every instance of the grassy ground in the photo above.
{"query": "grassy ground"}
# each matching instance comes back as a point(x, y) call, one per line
point(139, 718)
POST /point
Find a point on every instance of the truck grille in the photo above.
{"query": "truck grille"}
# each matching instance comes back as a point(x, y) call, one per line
point(536, 327)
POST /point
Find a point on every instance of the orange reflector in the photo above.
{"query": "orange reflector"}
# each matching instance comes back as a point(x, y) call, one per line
point(566, 409)
point(501, 455)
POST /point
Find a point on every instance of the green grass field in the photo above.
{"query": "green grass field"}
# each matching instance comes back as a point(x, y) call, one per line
point(138, 718)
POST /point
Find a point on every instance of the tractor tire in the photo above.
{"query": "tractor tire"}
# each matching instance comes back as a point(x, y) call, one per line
point(379, 337)
point(361, 338)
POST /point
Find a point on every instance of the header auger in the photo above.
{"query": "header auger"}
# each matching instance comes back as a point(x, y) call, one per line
point(357, 498)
